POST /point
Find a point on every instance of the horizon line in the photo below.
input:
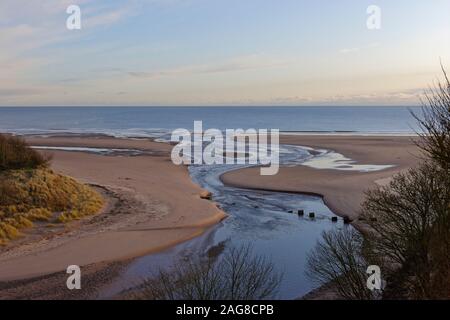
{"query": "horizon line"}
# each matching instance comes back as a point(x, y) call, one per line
point(214, 106)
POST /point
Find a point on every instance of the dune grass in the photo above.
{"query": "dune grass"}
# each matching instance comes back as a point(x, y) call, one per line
point(30, 192)
point(27, 196)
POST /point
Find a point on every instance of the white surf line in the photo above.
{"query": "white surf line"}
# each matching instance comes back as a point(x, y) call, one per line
point(86, 149)
point(348, 134)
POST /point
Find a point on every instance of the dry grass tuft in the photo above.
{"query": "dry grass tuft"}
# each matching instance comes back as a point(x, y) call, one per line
point(28, 196)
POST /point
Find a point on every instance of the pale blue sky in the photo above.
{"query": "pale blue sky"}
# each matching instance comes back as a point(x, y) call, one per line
point(220, 52)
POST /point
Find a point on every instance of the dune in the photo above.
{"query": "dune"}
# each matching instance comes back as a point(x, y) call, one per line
point(153, 205)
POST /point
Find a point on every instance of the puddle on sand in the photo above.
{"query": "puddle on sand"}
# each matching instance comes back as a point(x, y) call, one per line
point(326, 159)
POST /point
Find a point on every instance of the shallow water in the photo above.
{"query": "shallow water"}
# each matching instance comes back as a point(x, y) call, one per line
point(258, 218)
point(102, 151)
point(263, 219)
point(328, 159)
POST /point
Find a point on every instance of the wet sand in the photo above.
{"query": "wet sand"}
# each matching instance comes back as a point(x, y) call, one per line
point(342, 191)
point(153, 205)
point(157, 206)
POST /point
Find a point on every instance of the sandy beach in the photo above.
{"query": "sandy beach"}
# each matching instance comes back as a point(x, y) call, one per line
point(152, 205)
point(342, 191)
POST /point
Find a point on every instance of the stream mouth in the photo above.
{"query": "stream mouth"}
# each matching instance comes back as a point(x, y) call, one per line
point(266, 220)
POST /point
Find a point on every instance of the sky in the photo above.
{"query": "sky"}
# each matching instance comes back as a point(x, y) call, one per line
point(221, 52)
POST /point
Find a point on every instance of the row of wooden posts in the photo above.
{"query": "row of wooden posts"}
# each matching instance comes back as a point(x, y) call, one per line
point(312, 215)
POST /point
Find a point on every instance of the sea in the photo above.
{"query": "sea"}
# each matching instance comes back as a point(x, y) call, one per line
point(152, 121)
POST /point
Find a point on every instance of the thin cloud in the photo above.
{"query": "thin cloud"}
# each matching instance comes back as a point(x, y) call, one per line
point(28, 27)
point(358, 49)
point(19, 92)
point(349, 50)
point(399, 97)
point(237, 64)
point(108, 18)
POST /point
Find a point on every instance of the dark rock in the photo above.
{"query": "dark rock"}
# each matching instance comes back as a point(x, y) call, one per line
point(347, 220)
point(206, 195)
point(312, 214)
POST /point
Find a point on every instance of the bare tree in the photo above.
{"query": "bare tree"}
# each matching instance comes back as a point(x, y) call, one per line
point(408, 237)
point(338, 259)
point(435, 122)
point(409, 223)
point(237, 275)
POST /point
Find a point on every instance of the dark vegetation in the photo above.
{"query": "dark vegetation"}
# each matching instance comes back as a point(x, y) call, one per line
point(15, 155)
point(237, 275)
point(407, 224)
